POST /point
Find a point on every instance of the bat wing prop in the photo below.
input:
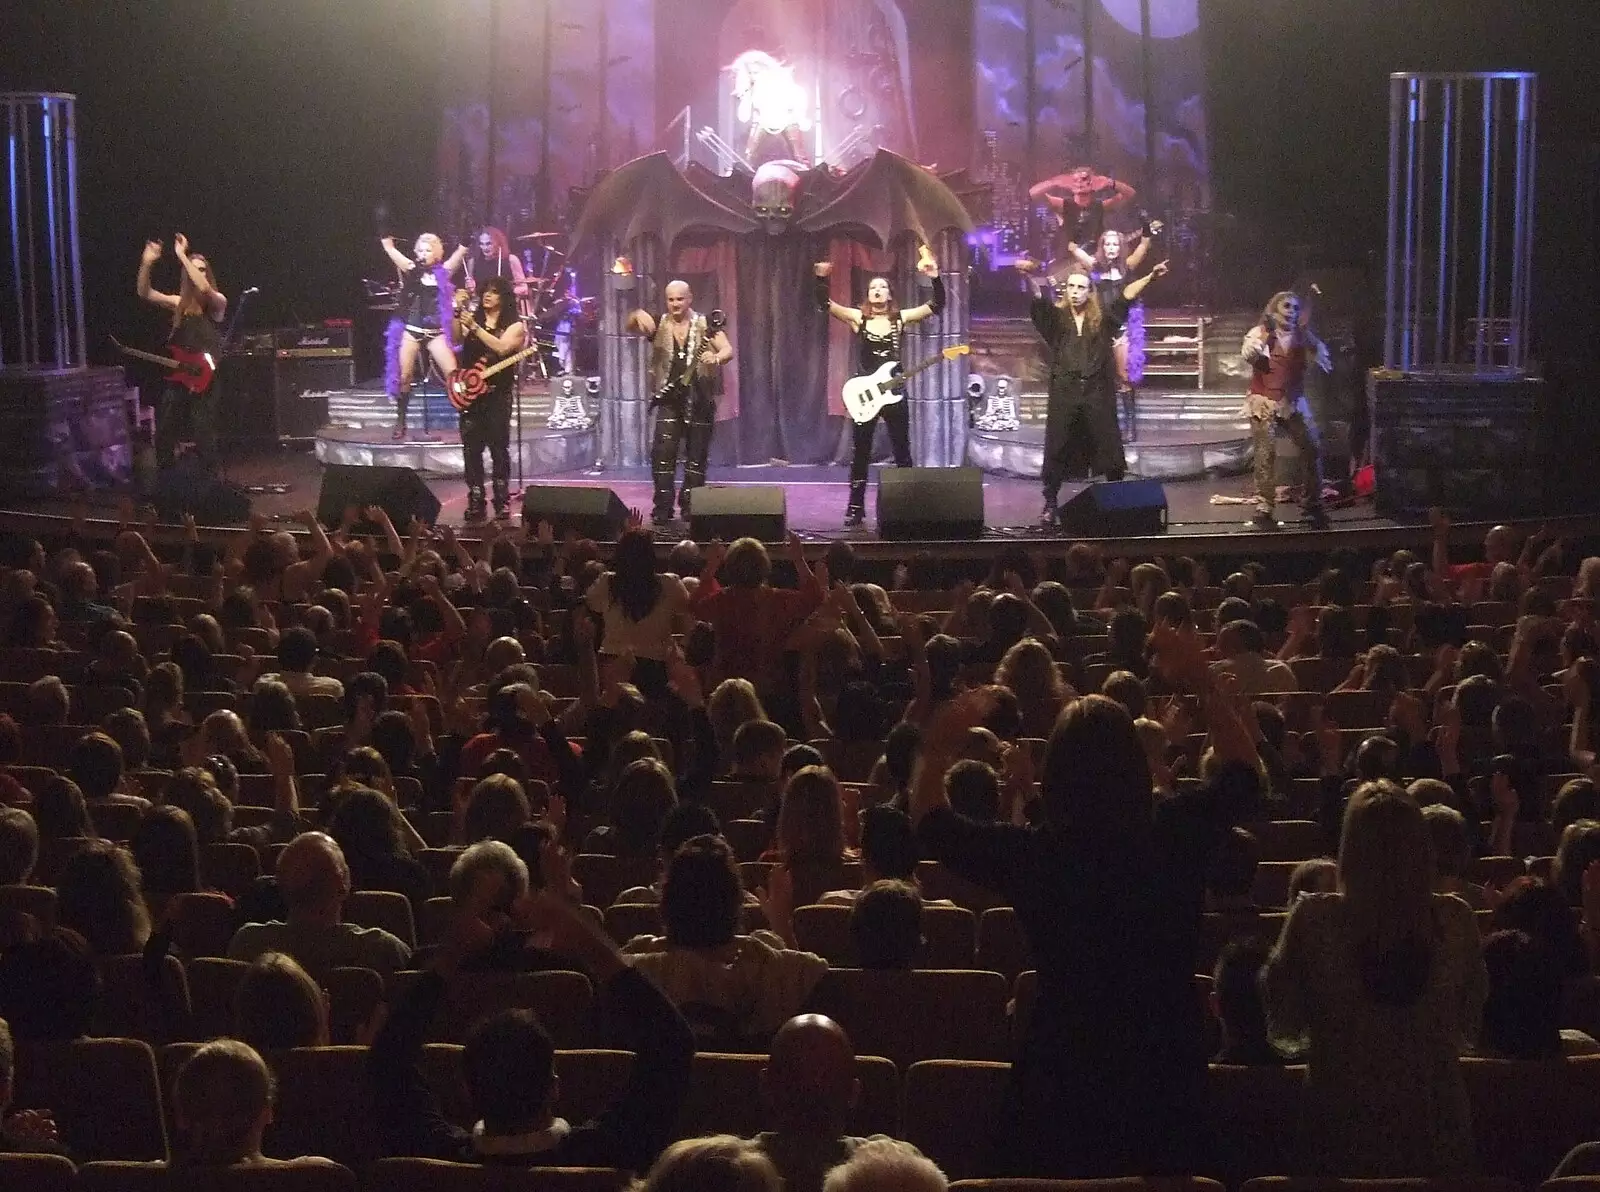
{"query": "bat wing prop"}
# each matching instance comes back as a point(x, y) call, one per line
point(650, 197)
point(888, 195)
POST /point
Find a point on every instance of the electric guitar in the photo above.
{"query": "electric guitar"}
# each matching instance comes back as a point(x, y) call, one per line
point(865, 396)
point(193, 370)
point(467, 385)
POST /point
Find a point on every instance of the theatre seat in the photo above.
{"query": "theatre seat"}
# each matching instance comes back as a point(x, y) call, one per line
point(104, 1093)
point(37, 1173)
point(158, 1177)
point(434, 1175)
point(950, 1109)
point(919, 1015)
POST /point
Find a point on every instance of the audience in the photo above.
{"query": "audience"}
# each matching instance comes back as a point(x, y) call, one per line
point(811, 1088)
point(842, 720)
point(508, 1058)
point(735, 988)
point(222, 1104)
point(314, 880)
point(1384, 981)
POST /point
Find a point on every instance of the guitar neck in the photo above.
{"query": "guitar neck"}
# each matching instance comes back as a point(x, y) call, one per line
point(150, 356)
point(921, 366)
point(510, 360)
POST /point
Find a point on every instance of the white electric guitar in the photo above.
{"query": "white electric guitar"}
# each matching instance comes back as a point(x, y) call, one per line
point(865, 396)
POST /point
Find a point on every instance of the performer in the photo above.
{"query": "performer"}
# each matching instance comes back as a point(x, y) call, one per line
point(196, 308)
point(427, 305)
point(877, 323)
point(685, 354)
point(1278, 349)
point(490, 333)
point(493, 258)
point(1109, 270)
point(1082, 209)
point(1082, 414)
point(772, 103)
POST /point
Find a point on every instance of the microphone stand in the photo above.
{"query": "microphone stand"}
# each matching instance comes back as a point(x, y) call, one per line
point(238, 311)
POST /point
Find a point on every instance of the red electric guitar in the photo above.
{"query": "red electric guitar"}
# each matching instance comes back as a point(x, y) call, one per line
point(193, 370)
point(467, 385)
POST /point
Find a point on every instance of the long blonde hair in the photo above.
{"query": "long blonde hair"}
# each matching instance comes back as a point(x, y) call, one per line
point(1386, 872)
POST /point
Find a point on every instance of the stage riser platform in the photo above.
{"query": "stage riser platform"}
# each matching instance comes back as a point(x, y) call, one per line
point(544, 452)
point(1182, 435)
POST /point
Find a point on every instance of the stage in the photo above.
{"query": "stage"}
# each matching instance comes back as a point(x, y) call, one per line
point(284, 481)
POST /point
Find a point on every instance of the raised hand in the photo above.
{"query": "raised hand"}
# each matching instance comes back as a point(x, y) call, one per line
point(1026, 265)
point(821, 268)
point(180, 244)
point(635, 519)
point(927, 263)
point(545, 534)
point(1160, 269)
point(152, 252)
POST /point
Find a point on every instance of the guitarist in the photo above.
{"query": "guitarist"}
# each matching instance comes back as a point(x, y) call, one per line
point(877, 323)
point(488, 334)
point(685, 354)
point(197, 308)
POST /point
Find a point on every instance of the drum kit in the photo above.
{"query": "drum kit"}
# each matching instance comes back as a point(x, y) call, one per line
point(553, 308)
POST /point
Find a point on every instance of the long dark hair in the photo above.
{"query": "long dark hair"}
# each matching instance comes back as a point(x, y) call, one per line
point(634, 582)
point(508, 301)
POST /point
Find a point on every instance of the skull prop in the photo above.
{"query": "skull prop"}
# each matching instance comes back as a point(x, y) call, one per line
point(774, 191)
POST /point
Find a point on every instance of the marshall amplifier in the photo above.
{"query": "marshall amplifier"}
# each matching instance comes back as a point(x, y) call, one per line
point(310, 363)
point(315, 341)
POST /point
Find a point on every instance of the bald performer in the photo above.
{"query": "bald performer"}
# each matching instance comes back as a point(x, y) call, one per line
point(811, 1089)
point(685, 354)
point(314, 882)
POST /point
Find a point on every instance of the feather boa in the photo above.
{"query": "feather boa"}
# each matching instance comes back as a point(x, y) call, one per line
point(397, 329)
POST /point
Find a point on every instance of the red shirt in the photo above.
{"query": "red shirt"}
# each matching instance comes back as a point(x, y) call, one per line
point(533, 751)
point(752, 627)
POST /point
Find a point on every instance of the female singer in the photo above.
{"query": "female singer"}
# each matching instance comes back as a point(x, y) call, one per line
point(427, 303)
point(1109, 270)
point(877, 323)
point(488, 335)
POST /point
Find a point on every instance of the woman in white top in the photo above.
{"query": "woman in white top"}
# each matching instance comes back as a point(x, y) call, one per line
point(1385, 982)
point(640, 610)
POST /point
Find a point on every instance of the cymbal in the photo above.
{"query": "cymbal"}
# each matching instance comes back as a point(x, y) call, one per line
point(540, 236)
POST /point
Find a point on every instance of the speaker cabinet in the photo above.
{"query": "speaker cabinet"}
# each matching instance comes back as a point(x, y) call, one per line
point(586, 510)
point(399, 492)
point(1117, 509)
point(739, 511)
point(187, 487)
point(300, 388)
point(925, 503)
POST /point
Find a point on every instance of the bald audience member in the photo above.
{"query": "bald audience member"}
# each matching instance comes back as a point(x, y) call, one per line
point(315, 881)
point(811, 1088)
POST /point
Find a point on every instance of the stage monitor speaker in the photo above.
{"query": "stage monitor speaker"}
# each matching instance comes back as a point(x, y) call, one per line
point(586, 510)
point(739, 511)
point(187, 487)
point(1117, 509)
point(924, 503)
point(399, 492)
